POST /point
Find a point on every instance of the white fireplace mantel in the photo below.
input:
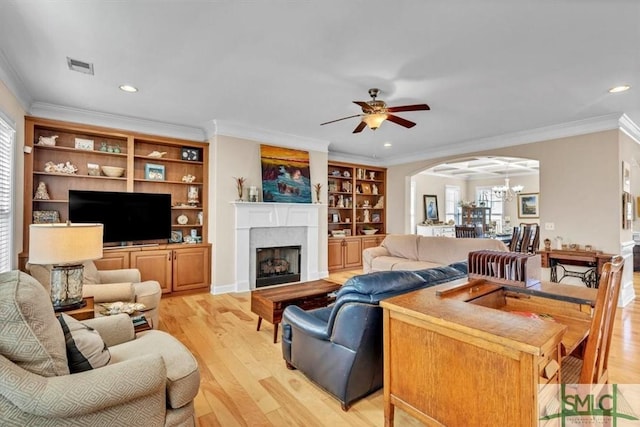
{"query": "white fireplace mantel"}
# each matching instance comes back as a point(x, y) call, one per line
point(274, 215)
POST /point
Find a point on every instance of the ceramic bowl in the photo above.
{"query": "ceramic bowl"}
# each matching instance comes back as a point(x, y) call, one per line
point(370, 232)
point(112, 171)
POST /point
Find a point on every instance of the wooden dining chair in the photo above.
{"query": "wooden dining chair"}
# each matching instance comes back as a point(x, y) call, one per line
point(515, 240)
point(526, 238)
point(591, 368)
point(466, 231)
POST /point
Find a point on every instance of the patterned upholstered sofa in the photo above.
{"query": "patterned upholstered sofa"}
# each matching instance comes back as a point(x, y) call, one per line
point(151, 379)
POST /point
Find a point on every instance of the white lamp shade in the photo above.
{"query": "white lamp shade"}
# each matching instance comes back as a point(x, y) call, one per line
point(64, 243)
point(374, 120)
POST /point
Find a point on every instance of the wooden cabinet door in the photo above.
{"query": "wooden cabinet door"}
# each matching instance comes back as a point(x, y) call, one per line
point(113, 260)
point(353, 253)
point(154, 265)
point(335, 254)
point(370, 242)
point(190, 268)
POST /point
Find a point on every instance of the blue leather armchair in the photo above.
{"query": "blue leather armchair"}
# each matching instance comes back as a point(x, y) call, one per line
point(340, 347)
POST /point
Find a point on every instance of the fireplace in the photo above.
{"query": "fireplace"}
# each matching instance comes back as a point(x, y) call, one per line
point(277, 265)
point(262, 225)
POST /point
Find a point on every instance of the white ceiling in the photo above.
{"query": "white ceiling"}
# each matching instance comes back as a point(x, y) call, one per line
point(487, 68)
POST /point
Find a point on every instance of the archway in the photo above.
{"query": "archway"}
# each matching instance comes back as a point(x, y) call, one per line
point(474, 181)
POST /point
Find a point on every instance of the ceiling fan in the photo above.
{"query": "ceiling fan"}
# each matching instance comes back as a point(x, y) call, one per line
point(375, 112)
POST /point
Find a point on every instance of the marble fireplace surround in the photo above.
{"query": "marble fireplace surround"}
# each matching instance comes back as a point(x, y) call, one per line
point(274, 224)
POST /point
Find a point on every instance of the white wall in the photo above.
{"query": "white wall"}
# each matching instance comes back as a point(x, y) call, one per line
point(233, 157)
point(11, 107)
point(433, 185)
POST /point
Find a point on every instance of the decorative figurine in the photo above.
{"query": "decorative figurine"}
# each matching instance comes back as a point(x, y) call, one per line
point(366, 216)
point(374, 189)
point(380, 203)
point(41, 192)
point(547, 244)
point(192, 195)
point(47, 140)
point(188, 178)
point(156, 154)
point(67, 168)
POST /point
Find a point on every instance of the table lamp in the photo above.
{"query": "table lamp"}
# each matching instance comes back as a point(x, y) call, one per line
point(65, 247)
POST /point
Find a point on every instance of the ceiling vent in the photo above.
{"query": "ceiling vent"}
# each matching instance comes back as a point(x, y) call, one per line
point(80, 66)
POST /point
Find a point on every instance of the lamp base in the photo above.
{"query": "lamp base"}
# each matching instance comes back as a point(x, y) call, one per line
point(72, 306)
point(66, 286)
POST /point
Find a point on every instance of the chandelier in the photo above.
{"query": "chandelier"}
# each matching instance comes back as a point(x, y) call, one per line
point(506, 192)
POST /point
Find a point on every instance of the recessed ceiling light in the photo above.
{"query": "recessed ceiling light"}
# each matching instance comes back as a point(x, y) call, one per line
point(387, 144)
point(618, 89)
point(128, 88)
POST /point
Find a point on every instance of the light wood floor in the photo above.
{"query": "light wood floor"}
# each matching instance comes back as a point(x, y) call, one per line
point(245, 382)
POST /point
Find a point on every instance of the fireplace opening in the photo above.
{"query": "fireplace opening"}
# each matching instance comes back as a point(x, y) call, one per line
point(277, 265)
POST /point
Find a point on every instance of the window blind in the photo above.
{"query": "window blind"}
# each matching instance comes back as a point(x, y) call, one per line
point(7, 135)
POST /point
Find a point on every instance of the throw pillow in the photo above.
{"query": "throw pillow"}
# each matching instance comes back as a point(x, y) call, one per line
point(29, 335)
point(85, 348)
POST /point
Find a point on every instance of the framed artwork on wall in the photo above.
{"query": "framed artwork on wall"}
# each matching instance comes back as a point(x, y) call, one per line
point(626, 177)
point(627, 210)
point(529, 205)
point(430, 207)
point(285, 175)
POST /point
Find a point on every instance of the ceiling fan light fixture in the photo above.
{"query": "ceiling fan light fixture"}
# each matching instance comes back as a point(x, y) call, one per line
point(374, 120)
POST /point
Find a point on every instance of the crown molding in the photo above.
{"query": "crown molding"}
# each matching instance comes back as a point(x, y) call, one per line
point(562, 130)
point(630, 128)
point(78, 115)
point(14, 83)
point(338, 156)
point(237, 130)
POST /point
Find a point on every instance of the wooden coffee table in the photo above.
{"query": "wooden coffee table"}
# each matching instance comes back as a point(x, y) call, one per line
point(269, 303)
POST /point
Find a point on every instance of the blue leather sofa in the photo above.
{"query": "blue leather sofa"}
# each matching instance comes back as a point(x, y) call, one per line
point(339, 347)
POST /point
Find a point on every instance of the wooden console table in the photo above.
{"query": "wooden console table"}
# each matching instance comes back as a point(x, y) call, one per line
point(477, 364)
point(593, 259)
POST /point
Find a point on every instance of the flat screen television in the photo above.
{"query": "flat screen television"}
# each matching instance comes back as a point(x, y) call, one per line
point(127, 217)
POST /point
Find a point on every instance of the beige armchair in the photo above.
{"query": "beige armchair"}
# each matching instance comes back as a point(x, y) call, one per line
point(151, 379)
point(111, 286)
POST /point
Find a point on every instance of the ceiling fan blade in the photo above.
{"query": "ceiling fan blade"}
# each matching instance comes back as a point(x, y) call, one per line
point(359, 128)
point(365, 107)
point(400, 121)
point(416, 107)
point(344, 118)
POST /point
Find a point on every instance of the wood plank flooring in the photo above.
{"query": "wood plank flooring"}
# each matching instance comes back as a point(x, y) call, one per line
point(245, 382)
